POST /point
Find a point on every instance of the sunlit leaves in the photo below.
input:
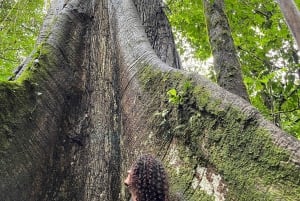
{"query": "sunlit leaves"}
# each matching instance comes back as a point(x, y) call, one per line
point(266, 49)
point(187, 17)
point(20, 22)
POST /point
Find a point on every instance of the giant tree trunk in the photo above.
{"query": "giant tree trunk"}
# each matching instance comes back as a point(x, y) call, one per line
point(94, 96)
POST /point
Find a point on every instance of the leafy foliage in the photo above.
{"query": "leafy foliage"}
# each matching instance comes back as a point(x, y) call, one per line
point(177, 98)
point(297, 2)
point(20, 21)
point(267, 52)
point(173, 96)
point(187, 18)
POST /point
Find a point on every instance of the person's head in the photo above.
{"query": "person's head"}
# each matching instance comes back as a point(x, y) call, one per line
point(147, 180)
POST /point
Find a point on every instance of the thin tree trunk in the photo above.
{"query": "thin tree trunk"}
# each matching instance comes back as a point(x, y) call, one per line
point(96, 97)
point(292, 17)
point(226, 62)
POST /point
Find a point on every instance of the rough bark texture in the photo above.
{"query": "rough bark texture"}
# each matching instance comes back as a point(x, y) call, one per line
point(292, 17)
point(158, 30)
point(94, 96)
point(69, 148)
point(226, 62)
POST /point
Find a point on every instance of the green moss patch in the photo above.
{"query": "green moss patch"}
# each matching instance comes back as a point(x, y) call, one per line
point(220, 136)
point(17, 103)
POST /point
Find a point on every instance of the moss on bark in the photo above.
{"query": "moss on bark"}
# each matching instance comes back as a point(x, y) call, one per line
point(221, 136)
point(19, 97)
point(16, 105)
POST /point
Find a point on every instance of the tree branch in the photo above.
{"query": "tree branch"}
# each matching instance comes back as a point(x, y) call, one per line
point(292, 17)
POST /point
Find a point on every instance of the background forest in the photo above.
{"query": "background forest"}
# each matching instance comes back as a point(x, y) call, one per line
point(266, 50)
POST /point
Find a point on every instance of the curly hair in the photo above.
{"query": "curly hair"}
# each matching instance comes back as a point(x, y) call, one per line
point(150, 180)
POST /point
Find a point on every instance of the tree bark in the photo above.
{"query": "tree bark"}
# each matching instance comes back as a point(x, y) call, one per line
point(226, 62)
point(158, 30)
point(94, 96)
point(292, 17)
point(65, 145)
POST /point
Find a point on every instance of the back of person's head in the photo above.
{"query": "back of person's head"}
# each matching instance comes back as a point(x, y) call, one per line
point(149, 179)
